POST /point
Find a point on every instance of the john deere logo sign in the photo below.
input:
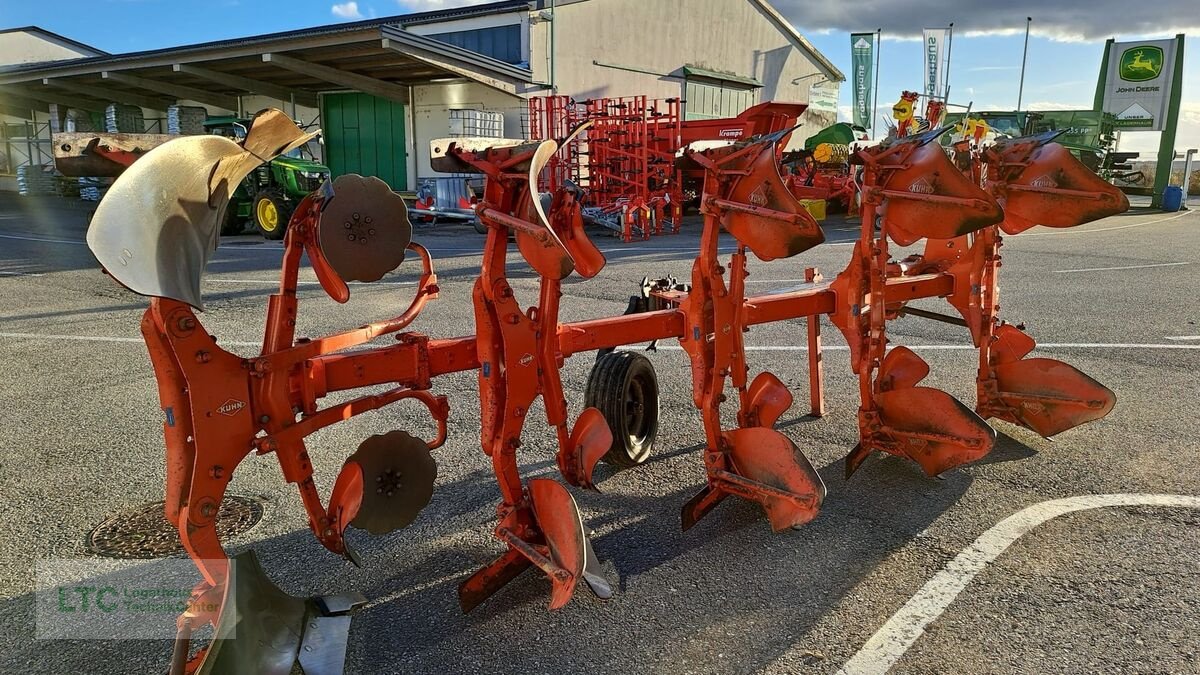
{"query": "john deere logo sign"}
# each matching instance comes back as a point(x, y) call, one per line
point(1139, 64)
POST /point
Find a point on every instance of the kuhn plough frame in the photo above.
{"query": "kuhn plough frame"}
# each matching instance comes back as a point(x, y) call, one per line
point(219, 407)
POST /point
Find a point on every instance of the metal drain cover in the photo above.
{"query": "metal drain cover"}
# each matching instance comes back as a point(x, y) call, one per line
point(144, 532)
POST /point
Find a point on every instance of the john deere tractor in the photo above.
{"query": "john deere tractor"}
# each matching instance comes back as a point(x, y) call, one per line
point(269, 195)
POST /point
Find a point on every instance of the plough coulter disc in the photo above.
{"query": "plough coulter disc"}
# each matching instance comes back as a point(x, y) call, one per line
point(769, 458)
point(624, 388)
point(397, 481)
point(364, 228)
point(1049, 396)
point(266, 631)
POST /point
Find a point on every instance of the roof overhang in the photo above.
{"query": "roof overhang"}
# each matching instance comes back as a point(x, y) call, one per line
point(698, 73)
point(823, 64)
point(383, 60)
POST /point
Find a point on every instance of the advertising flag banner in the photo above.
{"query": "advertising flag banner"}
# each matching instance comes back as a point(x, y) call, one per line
point(934, 40)
point(1138, 87)
point(862, 62)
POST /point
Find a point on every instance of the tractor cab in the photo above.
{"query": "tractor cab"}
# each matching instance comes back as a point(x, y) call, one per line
point(268, 196)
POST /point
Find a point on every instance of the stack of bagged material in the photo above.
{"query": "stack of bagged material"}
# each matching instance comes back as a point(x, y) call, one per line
point(127, 119)
point(186, 120)
point(36, 179)
point(93, 189)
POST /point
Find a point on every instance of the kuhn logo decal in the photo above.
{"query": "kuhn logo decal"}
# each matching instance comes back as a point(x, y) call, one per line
point(922, 186)
point(1044, 181)
point(231, 407)
point(761, 195)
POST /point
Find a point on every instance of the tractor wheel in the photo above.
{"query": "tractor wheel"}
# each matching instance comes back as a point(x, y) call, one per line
point(479, 226)
point(271, 213)
point(623, 387)
point(230, 223)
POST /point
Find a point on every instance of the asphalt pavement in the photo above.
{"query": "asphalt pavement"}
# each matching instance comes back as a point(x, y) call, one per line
point(1101, 590)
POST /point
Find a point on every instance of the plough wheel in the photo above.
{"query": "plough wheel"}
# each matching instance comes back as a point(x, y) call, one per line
point(624, 388)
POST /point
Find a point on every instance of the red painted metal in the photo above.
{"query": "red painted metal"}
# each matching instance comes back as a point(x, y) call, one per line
point(220, 407)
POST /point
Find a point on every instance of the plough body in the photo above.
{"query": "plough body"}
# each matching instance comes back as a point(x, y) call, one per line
point(220, 407)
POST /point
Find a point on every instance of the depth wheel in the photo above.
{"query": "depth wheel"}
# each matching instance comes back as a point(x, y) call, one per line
point(271, 213)
point(623, 386)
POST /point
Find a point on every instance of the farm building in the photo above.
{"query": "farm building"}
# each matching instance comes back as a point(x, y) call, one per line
point(381, 89)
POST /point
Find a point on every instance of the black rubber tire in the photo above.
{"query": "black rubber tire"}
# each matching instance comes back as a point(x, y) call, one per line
point(230, 223)
point(623, 386)
point(479, 226)
point(283, 210)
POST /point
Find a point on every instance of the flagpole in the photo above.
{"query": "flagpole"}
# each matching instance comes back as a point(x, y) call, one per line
point(1024, 58)
point(875, 90)
point(949, 53)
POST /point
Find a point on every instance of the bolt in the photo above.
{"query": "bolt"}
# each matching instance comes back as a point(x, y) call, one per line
point(264, 419)
point(208, 510)
point(367, 220)
point(187, 323)
point(203, 356)
point(355, 216)
point(217, 472)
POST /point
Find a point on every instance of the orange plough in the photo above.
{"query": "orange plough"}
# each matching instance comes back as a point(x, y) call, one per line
point(220, 407)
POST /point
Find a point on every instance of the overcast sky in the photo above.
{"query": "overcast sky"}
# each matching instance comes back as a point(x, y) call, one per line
point(1063, 65)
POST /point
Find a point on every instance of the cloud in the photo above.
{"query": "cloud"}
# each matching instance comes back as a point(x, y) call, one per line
point(346, 10)
point(1064, 21)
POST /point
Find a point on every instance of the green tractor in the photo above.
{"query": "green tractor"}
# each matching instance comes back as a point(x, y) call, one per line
point(268, 195)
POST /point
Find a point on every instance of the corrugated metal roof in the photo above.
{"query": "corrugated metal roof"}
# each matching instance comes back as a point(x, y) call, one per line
point(316, 31)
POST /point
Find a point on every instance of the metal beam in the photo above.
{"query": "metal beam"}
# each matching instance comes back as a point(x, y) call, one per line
point(15, 101)
point(176, 91)
point(248, 84)
point(55, 96)
point(102, 94)
point(369, 85)
point(440, 62)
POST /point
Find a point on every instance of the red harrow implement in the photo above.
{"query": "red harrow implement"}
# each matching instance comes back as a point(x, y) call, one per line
point(220, 407)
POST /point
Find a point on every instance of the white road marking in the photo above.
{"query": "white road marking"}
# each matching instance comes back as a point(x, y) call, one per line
point(1047, 345)
point(47, 337)
point(906, 626)
point(1184, 337)
point(275, 282)
point(670, 347)
point(72, 242)
point(20, 274)
point(1064, 232)
point(1127, 267)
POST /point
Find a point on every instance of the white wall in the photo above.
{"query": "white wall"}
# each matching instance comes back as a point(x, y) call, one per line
point(661, 36)
point(24, 47)
point(431, 114)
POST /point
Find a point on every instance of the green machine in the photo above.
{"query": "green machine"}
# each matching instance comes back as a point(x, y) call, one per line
point(1089, 134)
point(268, 196)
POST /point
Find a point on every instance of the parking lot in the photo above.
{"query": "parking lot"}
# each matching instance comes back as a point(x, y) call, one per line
point(1104, 589)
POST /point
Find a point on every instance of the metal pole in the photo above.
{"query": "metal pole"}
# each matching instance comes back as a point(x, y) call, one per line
point(949, 53)
point(875, 96)
point(1024, 57)
point(553, 21)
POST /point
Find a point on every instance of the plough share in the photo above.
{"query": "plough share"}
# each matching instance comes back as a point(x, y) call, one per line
point(219, 407)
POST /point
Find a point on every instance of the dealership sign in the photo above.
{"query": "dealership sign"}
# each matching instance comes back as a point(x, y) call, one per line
point(1138, 87)
point(935, 40)
point(862, 58)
